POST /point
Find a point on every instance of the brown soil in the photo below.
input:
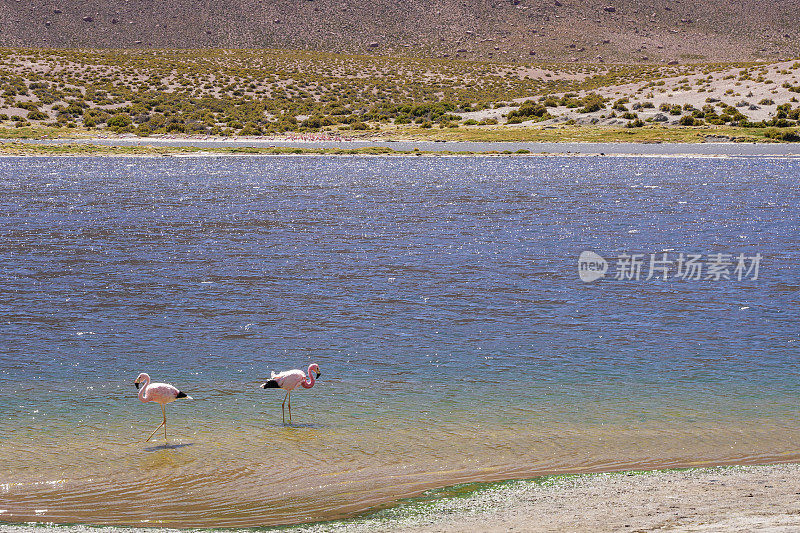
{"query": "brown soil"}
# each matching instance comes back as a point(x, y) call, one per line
point(506, 30)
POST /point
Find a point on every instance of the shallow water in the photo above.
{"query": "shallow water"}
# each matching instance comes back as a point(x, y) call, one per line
point(441, 298)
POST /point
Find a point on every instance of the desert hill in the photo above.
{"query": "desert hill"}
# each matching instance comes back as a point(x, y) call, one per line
point(504, 30)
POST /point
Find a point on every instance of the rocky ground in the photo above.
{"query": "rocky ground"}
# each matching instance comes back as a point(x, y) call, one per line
point(595, 31)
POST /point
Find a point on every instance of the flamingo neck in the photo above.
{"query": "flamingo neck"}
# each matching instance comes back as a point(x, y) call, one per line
point(309, 381)
point(143, 390)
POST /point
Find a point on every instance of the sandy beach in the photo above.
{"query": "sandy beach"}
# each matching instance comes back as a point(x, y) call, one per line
point(758, 498)
point(725, 499)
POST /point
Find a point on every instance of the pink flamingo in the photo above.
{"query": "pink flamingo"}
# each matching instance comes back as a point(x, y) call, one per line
point(162, 393)
point(288, 380)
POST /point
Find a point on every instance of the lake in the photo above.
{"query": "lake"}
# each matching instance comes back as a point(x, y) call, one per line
point(441, 298)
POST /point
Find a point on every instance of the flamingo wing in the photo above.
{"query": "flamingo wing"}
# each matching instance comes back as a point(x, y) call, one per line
point(163, 393)
point(288, 379)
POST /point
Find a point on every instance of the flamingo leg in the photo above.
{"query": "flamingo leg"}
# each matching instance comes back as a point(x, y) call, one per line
point(163, 423)
point(154, 432)
point(159, 427)
point(283, 408)
point(290, 406)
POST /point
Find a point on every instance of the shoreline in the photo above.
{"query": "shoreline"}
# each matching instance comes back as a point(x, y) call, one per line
point(204, 147)
point(720, 498)
point(726, 498)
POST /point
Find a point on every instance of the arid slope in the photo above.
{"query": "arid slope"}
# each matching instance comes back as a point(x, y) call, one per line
point(506, 30)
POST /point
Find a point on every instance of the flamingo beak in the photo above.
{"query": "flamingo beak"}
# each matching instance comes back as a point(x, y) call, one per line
point(319, 374)
point(136, 384)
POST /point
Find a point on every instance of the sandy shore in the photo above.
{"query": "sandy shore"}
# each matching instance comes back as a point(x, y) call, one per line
point(726, 499)
point(760, 498)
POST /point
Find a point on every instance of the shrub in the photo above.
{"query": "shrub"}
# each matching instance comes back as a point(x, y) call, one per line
point(310, 122)
point(783, 110)
point(786, 135)
point(528, 109)
point(36, 115)
point(119, 121)
point(591, 103)
point(251, 128)
point(780, 122)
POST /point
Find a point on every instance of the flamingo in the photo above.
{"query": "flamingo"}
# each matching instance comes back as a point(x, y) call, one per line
point(162, 393)
point(288, 380)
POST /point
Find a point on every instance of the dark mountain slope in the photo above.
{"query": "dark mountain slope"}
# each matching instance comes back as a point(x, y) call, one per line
point(540, 30)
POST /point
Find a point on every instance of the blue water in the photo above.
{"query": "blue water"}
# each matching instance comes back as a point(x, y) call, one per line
point(440, 296)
